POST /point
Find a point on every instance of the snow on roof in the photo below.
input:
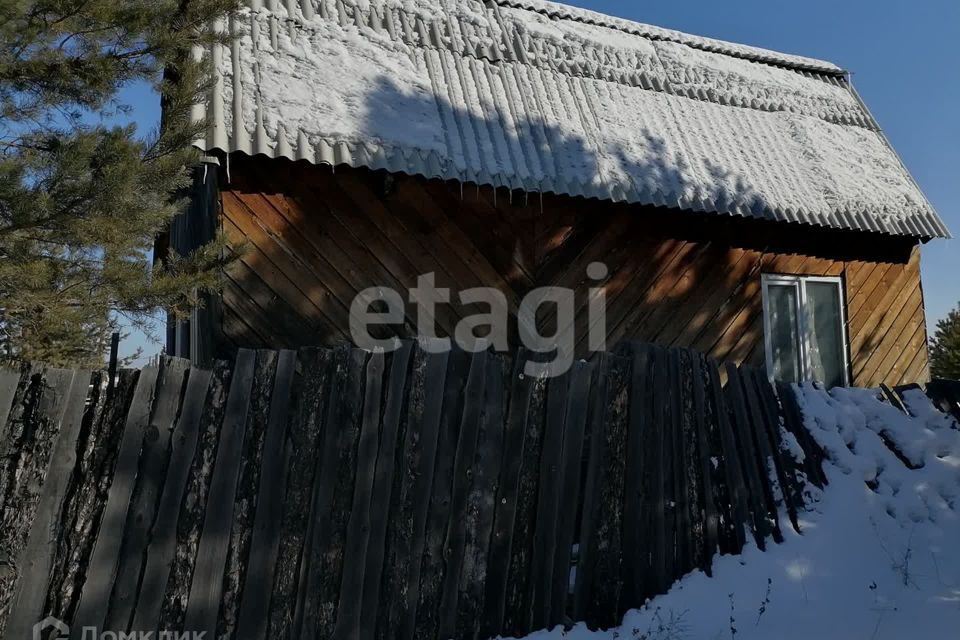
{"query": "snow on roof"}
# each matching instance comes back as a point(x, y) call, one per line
point(537, 96)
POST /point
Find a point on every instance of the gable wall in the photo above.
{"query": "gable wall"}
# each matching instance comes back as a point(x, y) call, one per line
point(314, 238)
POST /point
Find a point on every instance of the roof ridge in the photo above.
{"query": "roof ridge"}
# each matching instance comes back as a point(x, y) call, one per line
point(652, 32)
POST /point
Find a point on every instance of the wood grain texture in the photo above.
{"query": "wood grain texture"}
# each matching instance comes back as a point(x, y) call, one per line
point(150, 480)
point(207, 583)
point(265, 543)
point(92, 609)
point(64, 407)
point(314, 239)
point(163, 536)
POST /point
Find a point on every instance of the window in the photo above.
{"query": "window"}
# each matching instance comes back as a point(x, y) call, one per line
point(804, 328)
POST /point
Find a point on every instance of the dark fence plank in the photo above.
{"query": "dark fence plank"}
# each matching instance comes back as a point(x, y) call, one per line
point(245, 496)
point(146, 493)
point(730, 458)
point(347, 626)
point(642, 498)
point(894, 398)
point(505, 509)
point(945, 395)
point(265, 539)
point(463, 469)
point(384, 493)
point(310, 399)
point(433, 561)
point(660, 479)
point(517, 609)
point(569, 482)
point(548, 504)
point(13, 428)
point(92, 609)
point(790, 486)
point(424, 414)
point(793, 421)
point(694, 497)
point(62, 404)
point(10, 380)
point(163, 536)
point(480, 500)
point(766, 463)
point(599, 578)
point(708, 496)
point(749, 458)
point(333, 492)
point(680, 424)
point(207, 583)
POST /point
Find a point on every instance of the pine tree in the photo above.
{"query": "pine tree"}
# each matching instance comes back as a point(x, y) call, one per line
point(945, 347)
point(81, 200)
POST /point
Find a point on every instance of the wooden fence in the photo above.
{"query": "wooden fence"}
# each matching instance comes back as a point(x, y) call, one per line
point(334, 493)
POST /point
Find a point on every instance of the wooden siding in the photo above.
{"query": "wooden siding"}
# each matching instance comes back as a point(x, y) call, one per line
point(313, 238)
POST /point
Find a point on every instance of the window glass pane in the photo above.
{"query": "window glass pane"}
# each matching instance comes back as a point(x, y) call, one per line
point(784, 332)
point(826, 333)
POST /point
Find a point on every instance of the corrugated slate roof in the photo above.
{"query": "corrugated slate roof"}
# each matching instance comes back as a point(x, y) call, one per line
point(537, 96)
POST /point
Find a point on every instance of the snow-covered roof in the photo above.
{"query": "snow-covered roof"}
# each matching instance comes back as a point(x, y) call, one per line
point(538, 96)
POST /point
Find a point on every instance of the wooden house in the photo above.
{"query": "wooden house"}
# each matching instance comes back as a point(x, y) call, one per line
point(745, 202)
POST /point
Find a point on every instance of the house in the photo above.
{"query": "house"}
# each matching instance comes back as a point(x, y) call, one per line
point(743, 202)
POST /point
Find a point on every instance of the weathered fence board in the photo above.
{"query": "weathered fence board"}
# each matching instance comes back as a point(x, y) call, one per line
point(429, 592)
point(380, 510)
point(163, 536)
point(207, 584)
point(322, 562)
point(265, 539)
point(710, 515)
point(505, 507)
point(946, 395)
point(484, 479)
point(358, 525)
point(464, 459)
point(95, 598)
point(569, 481)
point(419, 461)
point(598, 583)
point(10, 379)
point(548, 504)
point(417, 494)
point(150, 476)
point(63, 405)
point(312, 397)
point(518, 605)
point(750, 460)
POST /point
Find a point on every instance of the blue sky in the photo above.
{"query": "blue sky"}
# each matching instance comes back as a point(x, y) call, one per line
point(904, 57)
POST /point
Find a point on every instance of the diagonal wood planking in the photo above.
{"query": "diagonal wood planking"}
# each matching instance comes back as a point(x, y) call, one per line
point(315, 239)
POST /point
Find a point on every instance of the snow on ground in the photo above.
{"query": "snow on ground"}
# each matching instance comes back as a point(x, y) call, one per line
point(879, 556)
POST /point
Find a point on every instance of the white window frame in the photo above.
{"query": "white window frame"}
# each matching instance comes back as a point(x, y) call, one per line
point(803, 321)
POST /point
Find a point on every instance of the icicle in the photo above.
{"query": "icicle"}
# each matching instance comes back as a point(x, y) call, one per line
point(204, 173)
point(461, 191)
point(541, 203)
point(228, 168)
